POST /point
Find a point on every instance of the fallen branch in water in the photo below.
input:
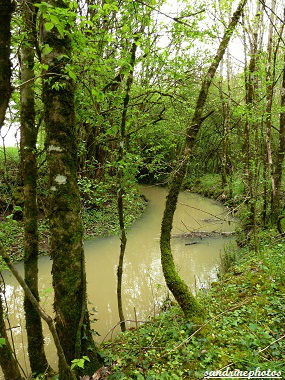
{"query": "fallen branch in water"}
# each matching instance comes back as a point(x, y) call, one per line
point(203, 234)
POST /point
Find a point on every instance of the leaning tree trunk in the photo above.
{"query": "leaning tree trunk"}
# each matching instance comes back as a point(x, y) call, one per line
point(66, 248)
point(176, 285)
point(35, 337)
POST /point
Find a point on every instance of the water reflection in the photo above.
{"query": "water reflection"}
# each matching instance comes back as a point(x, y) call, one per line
point(143, 283)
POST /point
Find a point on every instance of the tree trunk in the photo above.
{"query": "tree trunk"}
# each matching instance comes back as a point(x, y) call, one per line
point(120, 201)
point(250, 127)
point(281, 147)
point(66, 248)
point(35, 337)
point(224, 130)
point(269, 100)
point(7, 361)
point(176, 285)
point(6, 9)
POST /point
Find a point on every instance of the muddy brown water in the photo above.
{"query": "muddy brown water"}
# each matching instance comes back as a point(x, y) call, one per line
point(143, 284)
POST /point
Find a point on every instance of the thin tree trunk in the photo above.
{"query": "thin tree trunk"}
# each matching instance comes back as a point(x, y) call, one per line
point(269, 100)
point(121, 185)
point(224, 137)
point(281, 147)
point(176, 285)
point(35, 337)
point(229, 168)
point(265, 192)
point(250, 154)
point(66, 246)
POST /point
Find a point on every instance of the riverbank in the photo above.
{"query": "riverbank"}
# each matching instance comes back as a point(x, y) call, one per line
point(210, 185)
point(244, 317)
point(243, 329)
point(98, 222)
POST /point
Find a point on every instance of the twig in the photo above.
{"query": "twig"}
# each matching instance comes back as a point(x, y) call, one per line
point(117, 324)
point(48, 319)
point(10, 327)
point(277, 340)
point(202, 326)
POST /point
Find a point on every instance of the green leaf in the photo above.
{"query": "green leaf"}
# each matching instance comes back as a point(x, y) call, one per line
point(2, 342)
point(49, 26)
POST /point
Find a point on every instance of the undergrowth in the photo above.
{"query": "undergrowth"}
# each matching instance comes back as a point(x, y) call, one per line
point(244, 327)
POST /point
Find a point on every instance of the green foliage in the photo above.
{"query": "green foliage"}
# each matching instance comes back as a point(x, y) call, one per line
point(2, 342)
point(245, 314)
point(79, 362)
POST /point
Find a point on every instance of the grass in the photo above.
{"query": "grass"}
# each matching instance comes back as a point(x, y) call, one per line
point(243, 329)
point(210, 185)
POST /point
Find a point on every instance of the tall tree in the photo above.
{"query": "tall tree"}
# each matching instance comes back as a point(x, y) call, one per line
point(7, 361)
point(6, 8)
point(281, 147)
point(35, 337)
point(269, 100)
point(66, 248)
point(176, 285)
point(120, 199)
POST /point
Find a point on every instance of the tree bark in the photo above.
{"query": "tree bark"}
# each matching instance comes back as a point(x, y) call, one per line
point(176, 285)
point(7, 361)
point(120, 201)
point(6, 9)
point(35, 337)
point(66, 247)
point(224, 130)
point(281, 147)
point(269, 100)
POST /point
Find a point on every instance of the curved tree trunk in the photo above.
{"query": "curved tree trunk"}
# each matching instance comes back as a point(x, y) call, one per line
point(66, 247)
point(176, 285)
point(35, 337)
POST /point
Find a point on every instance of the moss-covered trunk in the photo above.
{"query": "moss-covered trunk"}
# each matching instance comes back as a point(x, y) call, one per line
point(66, 248)
point(6, 8)
point(7, 361)
point(36, 352)
point(281, 147)
point(177, 286)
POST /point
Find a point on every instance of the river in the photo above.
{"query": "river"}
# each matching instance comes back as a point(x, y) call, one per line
point(143, 284)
